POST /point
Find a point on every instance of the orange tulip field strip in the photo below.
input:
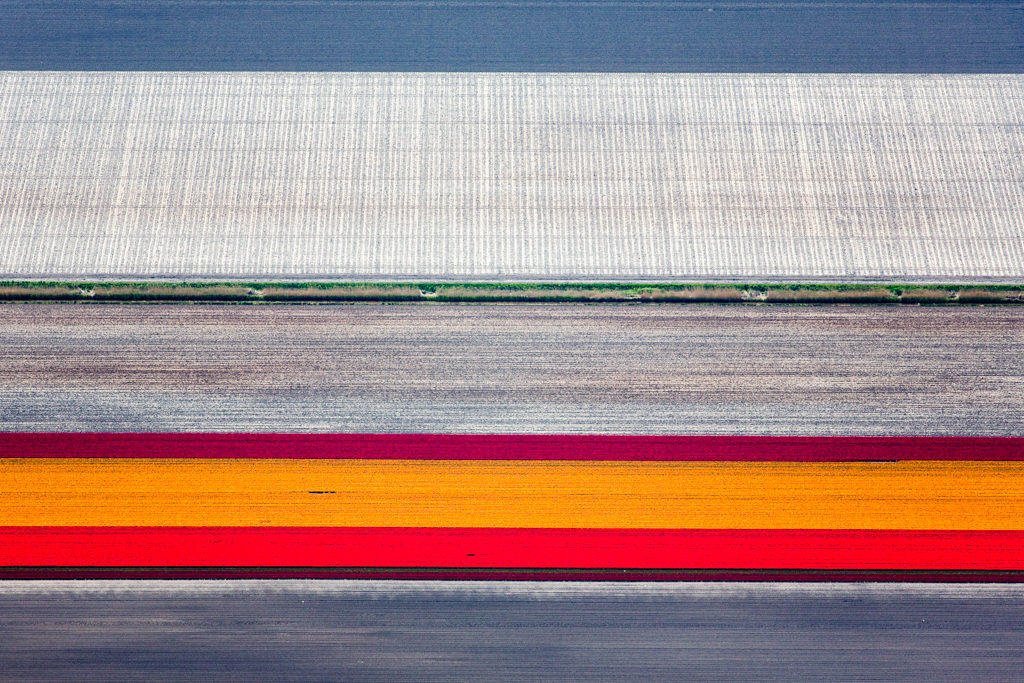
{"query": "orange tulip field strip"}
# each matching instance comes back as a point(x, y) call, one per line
point(910, 495)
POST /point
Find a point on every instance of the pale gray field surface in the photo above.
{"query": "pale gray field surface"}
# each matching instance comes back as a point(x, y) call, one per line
point(509, 176)
point(651, 369)
point(425, 630)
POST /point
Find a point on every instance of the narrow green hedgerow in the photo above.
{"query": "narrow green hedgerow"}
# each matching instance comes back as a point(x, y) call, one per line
point(472, 292)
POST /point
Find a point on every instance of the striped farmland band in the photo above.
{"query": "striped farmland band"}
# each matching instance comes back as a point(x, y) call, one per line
point(699, 503)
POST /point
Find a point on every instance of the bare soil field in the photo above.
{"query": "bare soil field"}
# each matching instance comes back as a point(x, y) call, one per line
point(481, 631)
point(684, 36)
point(537, 368)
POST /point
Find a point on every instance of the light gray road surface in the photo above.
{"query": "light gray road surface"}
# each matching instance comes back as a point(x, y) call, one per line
point(397, 630)
point(512, 176)
point(647, 369)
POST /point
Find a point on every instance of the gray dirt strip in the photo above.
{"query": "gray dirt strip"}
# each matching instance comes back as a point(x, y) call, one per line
point(855, 36)
point(397, 630)
point(651, 369)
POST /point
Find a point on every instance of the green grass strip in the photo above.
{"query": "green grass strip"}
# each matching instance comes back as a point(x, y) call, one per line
point(569, 292)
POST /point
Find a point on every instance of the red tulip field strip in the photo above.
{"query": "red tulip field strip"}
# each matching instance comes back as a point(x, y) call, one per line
point(678, 549)
point(509, 447)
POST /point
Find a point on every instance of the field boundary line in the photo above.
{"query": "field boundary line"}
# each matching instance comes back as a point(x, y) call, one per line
point(483, 292)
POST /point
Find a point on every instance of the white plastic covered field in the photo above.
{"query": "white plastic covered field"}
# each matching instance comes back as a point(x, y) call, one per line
point(511, 176)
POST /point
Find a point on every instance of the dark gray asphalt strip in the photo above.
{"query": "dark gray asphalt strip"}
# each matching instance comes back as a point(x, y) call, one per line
point(932, 36)
point(351, 630)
